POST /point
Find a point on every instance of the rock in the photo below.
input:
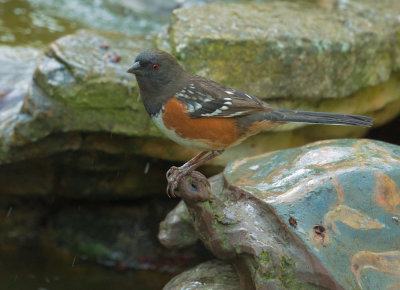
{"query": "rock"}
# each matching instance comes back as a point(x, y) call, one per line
point(321, 215)
point(79, 86)
point(20, 221)
point(52, 131)
point(211, 275)
point(17, 66)
point(176, 230)
point(81, 174)
point(288, 48)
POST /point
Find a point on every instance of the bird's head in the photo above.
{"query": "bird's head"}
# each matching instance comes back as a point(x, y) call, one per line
point(155, 69)
point(158, 75)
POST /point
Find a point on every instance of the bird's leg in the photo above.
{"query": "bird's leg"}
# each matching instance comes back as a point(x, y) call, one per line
point(175, 174)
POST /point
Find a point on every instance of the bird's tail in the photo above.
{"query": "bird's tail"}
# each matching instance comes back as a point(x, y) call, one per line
point(321, 118)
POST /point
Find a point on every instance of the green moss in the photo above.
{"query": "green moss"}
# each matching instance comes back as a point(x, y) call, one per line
point(265, 259)
point(286, 270)
point(287, 267)
point(238, 251)
point(225, 244)
point(207, 205)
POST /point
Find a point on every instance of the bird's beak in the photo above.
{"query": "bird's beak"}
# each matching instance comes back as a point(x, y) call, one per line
point(134, 67)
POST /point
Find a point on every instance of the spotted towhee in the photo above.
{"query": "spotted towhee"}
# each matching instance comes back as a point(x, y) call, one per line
point(204, 115)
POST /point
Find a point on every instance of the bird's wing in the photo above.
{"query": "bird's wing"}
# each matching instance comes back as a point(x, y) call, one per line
point(208, 99)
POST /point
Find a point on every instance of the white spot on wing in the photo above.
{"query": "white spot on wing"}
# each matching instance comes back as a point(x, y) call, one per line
point(224, 108)
point(197, 106)
point(206, 100)
point(250, 97)
point(229, 92)
point(235, 114)
point(228, 103)
point(190, 108)
point(215, 113)
point(228, 99)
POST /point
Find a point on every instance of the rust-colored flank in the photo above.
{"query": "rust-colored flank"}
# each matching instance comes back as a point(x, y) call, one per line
point(219, 134)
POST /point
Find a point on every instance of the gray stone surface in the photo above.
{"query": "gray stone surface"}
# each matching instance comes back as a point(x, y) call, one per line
point(176, 230)
point(211, 275)
point(282, 49)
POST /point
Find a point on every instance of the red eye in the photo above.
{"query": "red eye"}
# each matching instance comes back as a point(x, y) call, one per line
point(155, 67)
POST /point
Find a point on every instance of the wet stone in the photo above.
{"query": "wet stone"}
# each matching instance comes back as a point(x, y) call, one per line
point(344, 198)
point(212, 275)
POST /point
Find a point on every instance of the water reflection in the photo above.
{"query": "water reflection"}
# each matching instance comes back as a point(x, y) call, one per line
point(38, 22)
point(20, 24)
point(35, 268)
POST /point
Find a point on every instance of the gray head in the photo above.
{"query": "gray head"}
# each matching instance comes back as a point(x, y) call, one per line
point(158, 75)
point(155, 70)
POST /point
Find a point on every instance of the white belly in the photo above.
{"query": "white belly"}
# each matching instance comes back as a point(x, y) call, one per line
point(190, 144)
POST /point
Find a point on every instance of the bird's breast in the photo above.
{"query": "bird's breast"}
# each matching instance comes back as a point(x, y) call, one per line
point(195, 133)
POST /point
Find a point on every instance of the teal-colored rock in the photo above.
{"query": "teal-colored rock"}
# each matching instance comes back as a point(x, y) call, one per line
point(350, 188)
point(322, 215)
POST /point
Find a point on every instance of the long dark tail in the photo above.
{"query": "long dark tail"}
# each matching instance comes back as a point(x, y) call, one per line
point(320, 118)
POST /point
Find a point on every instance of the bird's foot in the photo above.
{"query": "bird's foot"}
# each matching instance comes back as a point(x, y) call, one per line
point(196, 187)
point(174, 176)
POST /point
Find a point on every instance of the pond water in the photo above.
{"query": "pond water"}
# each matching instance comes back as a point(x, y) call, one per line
point(32, 267)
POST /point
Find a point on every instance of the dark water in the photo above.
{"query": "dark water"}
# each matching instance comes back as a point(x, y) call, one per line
point(31, 267)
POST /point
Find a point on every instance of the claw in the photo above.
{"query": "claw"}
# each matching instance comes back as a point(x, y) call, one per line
point(174, 175)
point(171, 190)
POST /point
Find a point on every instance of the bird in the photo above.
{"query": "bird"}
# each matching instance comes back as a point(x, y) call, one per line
point(207, 116)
